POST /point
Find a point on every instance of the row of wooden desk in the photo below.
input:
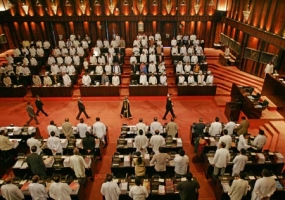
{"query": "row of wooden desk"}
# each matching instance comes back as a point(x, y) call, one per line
point(77, 194)
point(134, 90)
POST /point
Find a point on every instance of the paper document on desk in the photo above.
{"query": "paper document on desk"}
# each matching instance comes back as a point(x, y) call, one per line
point(66, 162)
point(250, 97)
point(79, 143)
point(63, 143)
point(211, 160)
point(226, 186)
point(18, 164)
point(24, 165)
point(161, 189)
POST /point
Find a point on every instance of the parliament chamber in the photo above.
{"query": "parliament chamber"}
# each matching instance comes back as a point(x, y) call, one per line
point(100, 51)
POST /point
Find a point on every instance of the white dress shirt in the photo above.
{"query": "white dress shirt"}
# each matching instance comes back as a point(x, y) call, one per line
point(37, 191)
point(86, 80)
point(143, 79)
point(239, 163)
point(60, 191)
point(163, 80)
point(259, 141)
point(77, 163)
point(110, 190)
point(152, 80)
point(116, 80)
point(242, 143)
point(263, 187)
point(155, 126)
point(53, 143)
point(82, 128)
point(156, 141)
point(230, 126)
point(227, 139)
point(99, 129)
point(215, 128)
point(210, 79)
point(181, 79)
point(138, 192)
point(181, 164)
point(34, 142)
point(141, 143)
point(51, 128)
point(11, 192)
point(221, 158)
point(141, 126)
point(66, 80)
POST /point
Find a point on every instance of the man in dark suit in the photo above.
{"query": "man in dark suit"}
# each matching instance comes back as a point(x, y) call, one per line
point(199, 128)
point(81, 108)
point(36, 163)
point(169, 107)
point(89, 144)
point(39, 105)
point(135, 68)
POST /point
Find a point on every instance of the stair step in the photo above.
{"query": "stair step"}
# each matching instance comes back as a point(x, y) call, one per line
point(275, 137)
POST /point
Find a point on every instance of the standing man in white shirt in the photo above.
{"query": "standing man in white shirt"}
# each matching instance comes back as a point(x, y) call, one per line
point(37, 190)
point(52, 127)
point(215, 128)
point(243, 142)
point(141, 126)
point(54, 144)
point(59, 190)
point(239, 162)
point(227, 139)
point(110, 190)
point(138, 192)
point(181, 163)
point(156, 141)
point(264, 187)
point(86, 80)
point(221, 159)
point(34, 142)
point(99, 130)
point(163, 79)
point(11, 191)
point(259, 141)
point(77, 163)
point(269, 69)
point(66, 79)
point(143, 79)
point(155, 125)
point(152, 80)
point(82, 128)
point(141, 142)
point(230, 126)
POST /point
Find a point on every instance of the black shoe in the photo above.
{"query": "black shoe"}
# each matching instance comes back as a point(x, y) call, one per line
point(164, 118)
point(88, 117)
point(37, 114)
point(77, 118)
point(46, 115)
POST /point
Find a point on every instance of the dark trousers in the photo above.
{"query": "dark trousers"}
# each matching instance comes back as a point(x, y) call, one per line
point(167, 111)
point(41, 110)
point(79, 113)
point(32, 118)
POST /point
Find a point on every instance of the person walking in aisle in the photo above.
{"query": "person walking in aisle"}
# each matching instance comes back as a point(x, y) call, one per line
point(39, 105)
point(81, 108)
point(169, 107)
point(31, 113)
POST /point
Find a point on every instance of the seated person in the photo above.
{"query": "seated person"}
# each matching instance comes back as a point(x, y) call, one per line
point(105, 79)
point(143, 58)
point(54, 68)
point(37, 80)
point(210, 78)
point(63, 68)
point(66, 79)
point(143, 79)
point(136, 50)
point(7, 80)
point(33, 61)
point(194, 59)
point(161, 67)
point(183, 50)
point(86, 80)
point(101, 60)
point(152, 67)
point(187, 67)
point(26, 71)
point(116, 80)
point(179, 68)
point(133, 59)
point(264, 103)
point(93, 60)
point(152, 80)
point(143, 68)
point(108, 68)
point(174, 50)
point(70, 69)
point(152, 58)
point(186, 58)
point(163, 79)
point(191, 80)
point(99, 70)
point(200, 78)
point(135, 68)
point(47, 80)
point(181, 79)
